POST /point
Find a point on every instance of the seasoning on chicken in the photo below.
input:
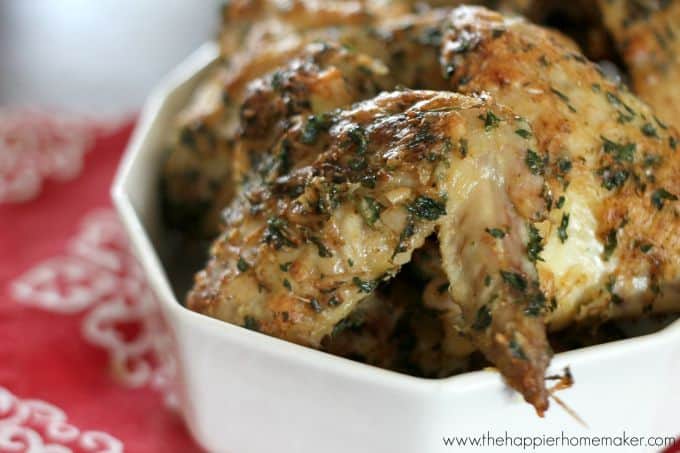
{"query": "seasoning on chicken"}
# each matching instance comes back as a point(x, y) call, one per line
point(543, 196)
point(213, 152)
point(298, 254)
point(646, 33)
point(610, 246)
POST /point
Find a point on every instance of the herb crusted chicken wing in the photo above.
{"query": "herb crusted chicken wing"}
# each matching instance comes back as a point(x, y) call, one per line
point(541, 196)
point(646, 33)
point(299, 253)
point(610, 166)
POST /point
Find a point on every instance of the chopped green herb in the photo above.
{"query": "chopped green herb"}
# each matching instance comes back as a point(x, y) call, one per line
point(350, 262)
point(315, 124)
point(659, 195)
point(536, 304)
point(285, 267)
point(427, 208)
point(251, 323)
point(368, 180)
point(369, 210)
point(649, 130)
point(516, 350)
point(406, 233)
point(534, 246)
point(358, 136)
point(596, 87)
point(284, 157)
point(612, 178)
point(275, 233)
point(514, 279)
point(483, 319)
point(610, 244)
point(490, 120)
point(562, 230)
point(534, 162)
point(672, 142)
point(365, 286)
point(316, 306)
point(277, 80)
point(496, 232)
point(661, 124)
point(349, 323)
point(287, 284)
point(560, 95)
point(564, 165)
point(487, 280)
point(615, 298)
point(242, 265)
point(563, 97)
point(616, 101)
point(323, 251)
point(463, 147)
point(523, 133)
point(560, 202)
point(645, 248)
point(622, 153)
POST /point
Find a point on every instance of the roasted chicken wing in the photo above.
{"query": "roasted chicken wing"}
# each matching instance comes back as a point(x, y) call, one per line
point(525, 190)
point(299, 253)
point(646, 33)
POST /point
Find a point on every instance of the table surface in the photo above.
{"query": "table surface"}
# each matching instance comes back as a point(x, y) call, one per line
point(96, 57)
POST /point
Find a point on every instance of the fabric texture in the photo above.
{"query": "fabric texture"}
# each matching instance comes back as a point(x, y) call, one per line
point(81, 347)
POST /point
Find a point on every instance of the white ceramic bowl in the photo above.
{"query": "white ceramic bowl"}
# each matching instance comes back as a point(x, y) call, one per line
point(246, 392)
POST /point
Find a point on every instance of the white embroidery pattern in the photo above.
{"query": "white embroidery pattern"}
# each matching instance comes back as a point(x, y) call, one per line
point(100, 276)
point(36, 145)
point(34, 426)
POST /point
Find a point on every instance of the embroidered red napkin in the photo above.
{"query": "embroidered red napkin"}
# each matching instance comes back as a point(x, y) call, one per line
point(81, 366)
point(79, 357)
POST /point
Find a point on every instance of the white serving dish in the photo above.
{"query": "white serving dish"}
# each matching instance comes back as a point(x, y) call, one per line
point(243, 392)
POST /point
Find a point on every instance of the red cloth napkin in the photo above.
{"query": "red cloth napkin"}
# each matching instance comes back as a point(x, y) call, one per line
point(81, 357)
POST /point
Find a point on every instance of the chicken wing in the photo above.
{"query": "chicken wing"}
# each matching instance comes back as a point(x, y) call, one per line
point(199, 177)
point(213, 150)
point(550, 189)
point(646, 33)
point(300, 253)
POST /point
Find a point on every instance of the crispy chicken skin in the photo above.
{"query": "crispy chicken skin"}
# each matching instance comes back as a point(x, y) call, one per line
point(298, 254)
point(528, 191)
point(610, 246)
point(213, 151)
point(200, 177)
point(646, 33)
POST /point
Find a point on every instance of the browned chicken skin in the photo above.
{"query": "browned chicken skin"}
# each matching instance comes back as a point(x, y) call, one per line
point(551, 190)
point(647, 34)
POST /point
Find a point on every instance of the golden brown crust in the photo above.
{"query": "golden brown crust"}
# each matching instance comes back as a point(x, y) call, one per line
point(610, 158)
point(646, 33)
point(301, 250)
point(551, 190)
